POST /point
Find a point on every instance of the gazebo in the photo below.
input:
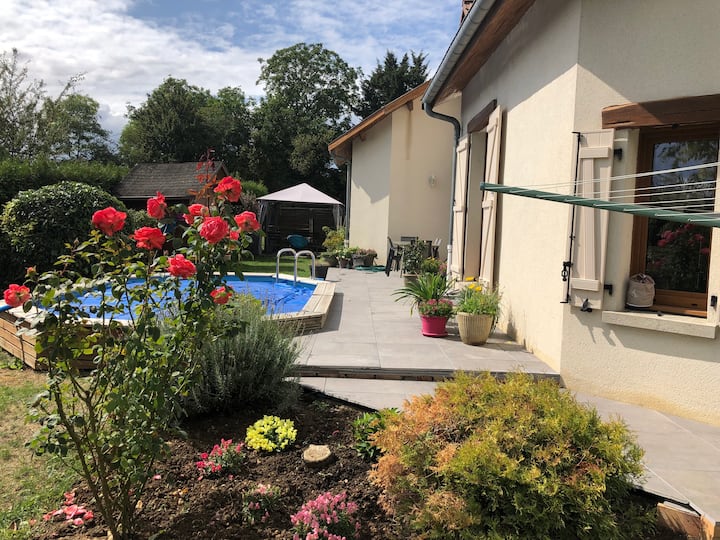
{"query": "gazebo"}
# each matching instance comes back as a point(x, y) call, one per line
point(298, 210)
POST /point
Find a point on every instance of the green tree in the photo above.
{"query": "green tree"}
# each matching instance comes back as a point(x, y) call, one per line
point(170, 126)
point(310, 95)
point(20, 101)
point(229, 117)
point(72, 129)
point(390, 80)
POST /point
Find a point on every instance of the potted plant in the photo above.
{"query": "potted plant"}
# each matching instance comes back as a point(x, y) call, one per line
point(329, 258)
point(432, 265)
point(413, 256)
point(321, 268)
point(370, 255)
point(358, 257)
point(476, 313)
point(344, 256)
point(434, 315)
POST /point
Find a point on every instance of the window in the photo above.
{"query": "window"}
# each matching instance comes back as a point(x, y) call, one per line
point(676, 255)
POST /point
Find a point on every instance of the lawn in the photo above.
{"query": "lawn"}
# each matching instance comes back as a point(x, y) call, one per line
point(267, 264)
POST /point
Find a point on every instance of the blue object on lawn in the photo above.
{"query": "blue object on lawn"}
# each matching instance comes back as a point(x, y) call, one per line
point(297, 242)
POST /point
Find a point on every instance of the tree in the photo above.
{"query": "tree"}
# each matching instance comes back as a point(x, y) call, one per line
point(391, 80)
point(72, 129)
point(310, 95)
point(169, 126)
point(20, 101)
point(229, 117)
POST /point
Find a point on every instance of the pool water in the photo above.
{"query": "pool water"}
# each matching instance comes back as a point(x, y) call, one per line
point(278, 296)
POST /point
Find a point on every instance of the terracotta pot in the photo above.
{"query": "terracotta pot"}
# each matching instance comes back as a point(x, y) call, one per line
point(433, 326)
point(474, 328)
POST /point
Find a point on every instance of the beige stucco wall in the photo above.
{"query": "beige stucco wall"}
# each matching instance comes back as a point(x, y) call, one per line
point(401, 179)
point(564, 62)
point(533, 81)
point(370, 189)
point(640, 51)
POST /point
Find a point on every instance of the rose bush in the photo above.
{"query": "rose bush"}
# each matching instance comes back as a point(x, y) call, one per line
point(156, 206)
point(116, 417)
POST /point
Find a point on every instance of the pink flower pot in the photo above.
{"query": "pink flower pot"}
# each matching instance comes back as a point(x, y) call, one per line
point(433, 326)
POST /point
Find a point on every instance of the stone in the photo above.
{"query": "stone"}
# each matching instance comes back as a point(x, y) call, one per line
point(318, 455)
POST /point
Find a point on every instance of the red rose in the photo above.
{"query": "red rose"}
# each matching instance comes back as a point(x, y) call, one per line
point(109, 220)
point(234, 235)
point(180, 267)
point(247, 221)
point(229, 188)
point(149, 238)
point(195, 211)
point(16, 295)
point(213, 229)
point(156, 206)
point(221, 295)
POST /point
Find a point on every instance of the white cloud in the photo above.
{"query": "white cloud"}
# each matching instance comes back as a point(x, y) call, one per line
point(124, 57)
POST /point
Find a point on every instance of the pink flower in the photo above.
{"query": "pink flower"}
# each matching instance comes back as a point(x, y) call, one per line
point(221, 295)
point(16, 295)
point(149, 238)
point(156, 206)
point(179, 266)
point(247, 221)
point(229, 188)
point(214, 229)
point(195, 210)
point(109, 220)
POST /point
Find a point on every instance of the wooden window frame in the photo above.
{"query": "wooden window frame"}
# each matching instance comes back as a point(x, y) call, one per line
point(670, 301)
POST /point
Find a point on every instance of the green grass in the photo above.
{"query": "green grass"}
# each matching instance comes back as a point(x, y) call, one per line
point(266, 263)
point(32, 485)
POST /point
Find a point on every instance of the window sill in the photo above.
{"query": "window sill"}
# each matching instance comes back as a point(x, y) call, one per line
point(673, 324)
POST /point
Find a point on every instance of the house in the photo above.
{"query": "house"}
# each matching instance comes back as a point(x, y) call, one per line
point(176, 181)
point(563, 104)
point(399, 162)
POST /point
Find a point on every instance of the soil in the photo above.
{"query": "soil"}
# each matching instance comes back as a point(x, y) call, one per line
point(179, 505)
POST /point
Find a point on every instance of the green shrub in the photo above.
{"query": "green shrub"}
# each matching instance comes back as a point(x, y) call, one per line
point(256, 188)
point(250, 364)
point(17, 175)
point(365, 427)
point(40, 222)
point(12, 269)
point(483, 459)
point(334, 238)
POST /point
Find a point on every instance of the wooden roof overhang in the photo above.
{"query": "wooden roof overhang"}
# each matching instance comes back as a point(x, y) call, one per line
point(341, 148)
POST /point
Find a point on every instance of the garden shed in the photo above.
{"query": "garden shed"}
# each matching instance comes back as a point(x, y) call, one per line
point(174, 180)
point(300, 210)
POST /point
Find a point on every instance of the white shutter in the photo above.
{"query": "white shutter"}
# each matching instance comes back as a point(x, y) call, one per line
point(587, 274)
point(458, 209)
point(489, 203)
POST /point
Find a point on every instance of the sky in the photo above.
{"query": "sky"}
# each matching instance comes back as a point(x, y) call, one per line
point(124, 49)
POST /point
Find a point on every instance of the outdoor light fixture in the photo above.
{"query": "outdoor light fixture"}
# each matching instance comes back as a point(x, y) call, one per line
point(432, 180)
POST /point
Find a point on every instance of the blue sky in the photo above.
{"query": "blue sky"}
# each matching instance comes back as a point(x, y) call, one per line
point(125, 48)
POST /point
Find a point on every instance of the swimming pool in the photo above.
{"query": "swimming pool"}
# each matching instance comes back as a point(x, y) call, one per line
point(279, 296)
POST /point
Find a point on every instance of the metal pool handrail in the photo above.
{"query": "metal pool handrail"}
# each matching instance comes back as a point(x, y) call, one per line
point(296, 254)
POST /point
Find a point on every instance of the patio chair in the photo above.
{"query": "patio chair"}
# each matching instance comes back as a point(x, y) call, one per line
point(297, 242)
point(394, 257)
point(436, 248)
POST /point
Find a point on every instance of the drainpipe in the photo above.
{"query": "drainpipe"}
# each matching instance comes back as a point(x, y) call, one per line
point(337, 158)
point(456, 126)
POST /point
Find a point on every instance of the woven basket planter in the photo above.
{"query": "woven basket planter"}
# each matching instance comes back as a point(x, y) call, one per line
point(474, 328)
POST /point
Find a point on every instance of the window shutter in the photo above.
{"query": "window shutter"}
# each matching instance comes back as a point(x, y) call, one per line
point(587, 274)
point(489, 203)
point(458, 210)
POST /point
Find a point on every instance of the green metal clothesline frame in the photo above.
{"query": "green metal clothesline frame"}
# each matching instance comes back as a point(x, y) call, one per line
point(706, 220)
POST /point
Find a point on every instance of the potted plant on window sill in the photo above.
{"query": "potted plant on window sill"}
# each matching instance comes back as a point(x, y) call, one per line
point(477, 312)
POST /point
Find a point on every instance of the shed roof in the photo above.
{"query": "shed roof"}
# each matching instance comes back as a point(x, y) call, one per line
point(341, 148)
point(174, 180)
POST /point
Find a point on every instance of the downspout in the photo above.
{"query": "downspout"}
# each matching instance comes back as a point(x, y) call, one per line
point(456, 126)
point(346, 221)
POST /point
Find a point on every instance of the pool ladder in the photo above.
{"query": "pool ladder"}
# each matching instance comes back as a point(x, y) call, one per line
point(296, 254)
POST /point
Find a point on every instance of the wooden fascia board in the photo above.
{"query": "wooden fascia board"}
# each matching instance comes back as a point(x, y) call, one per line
point(342, 146)
point(664, 112)
point(504, 16)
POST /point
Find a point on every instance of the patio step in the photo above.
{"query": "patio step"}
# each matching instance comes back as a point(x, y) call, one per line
point(397, 374)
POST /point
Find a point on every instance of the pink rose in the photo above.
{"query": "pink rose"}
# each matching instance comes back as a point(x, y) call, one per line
point(195, 211)
point(16, 295)
point(179, 266)
point(156, 206)
point(221, 295)
point(149, 238)
point(247, 221)
point(229, 188)
point(109, 220)
point(214, 229)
